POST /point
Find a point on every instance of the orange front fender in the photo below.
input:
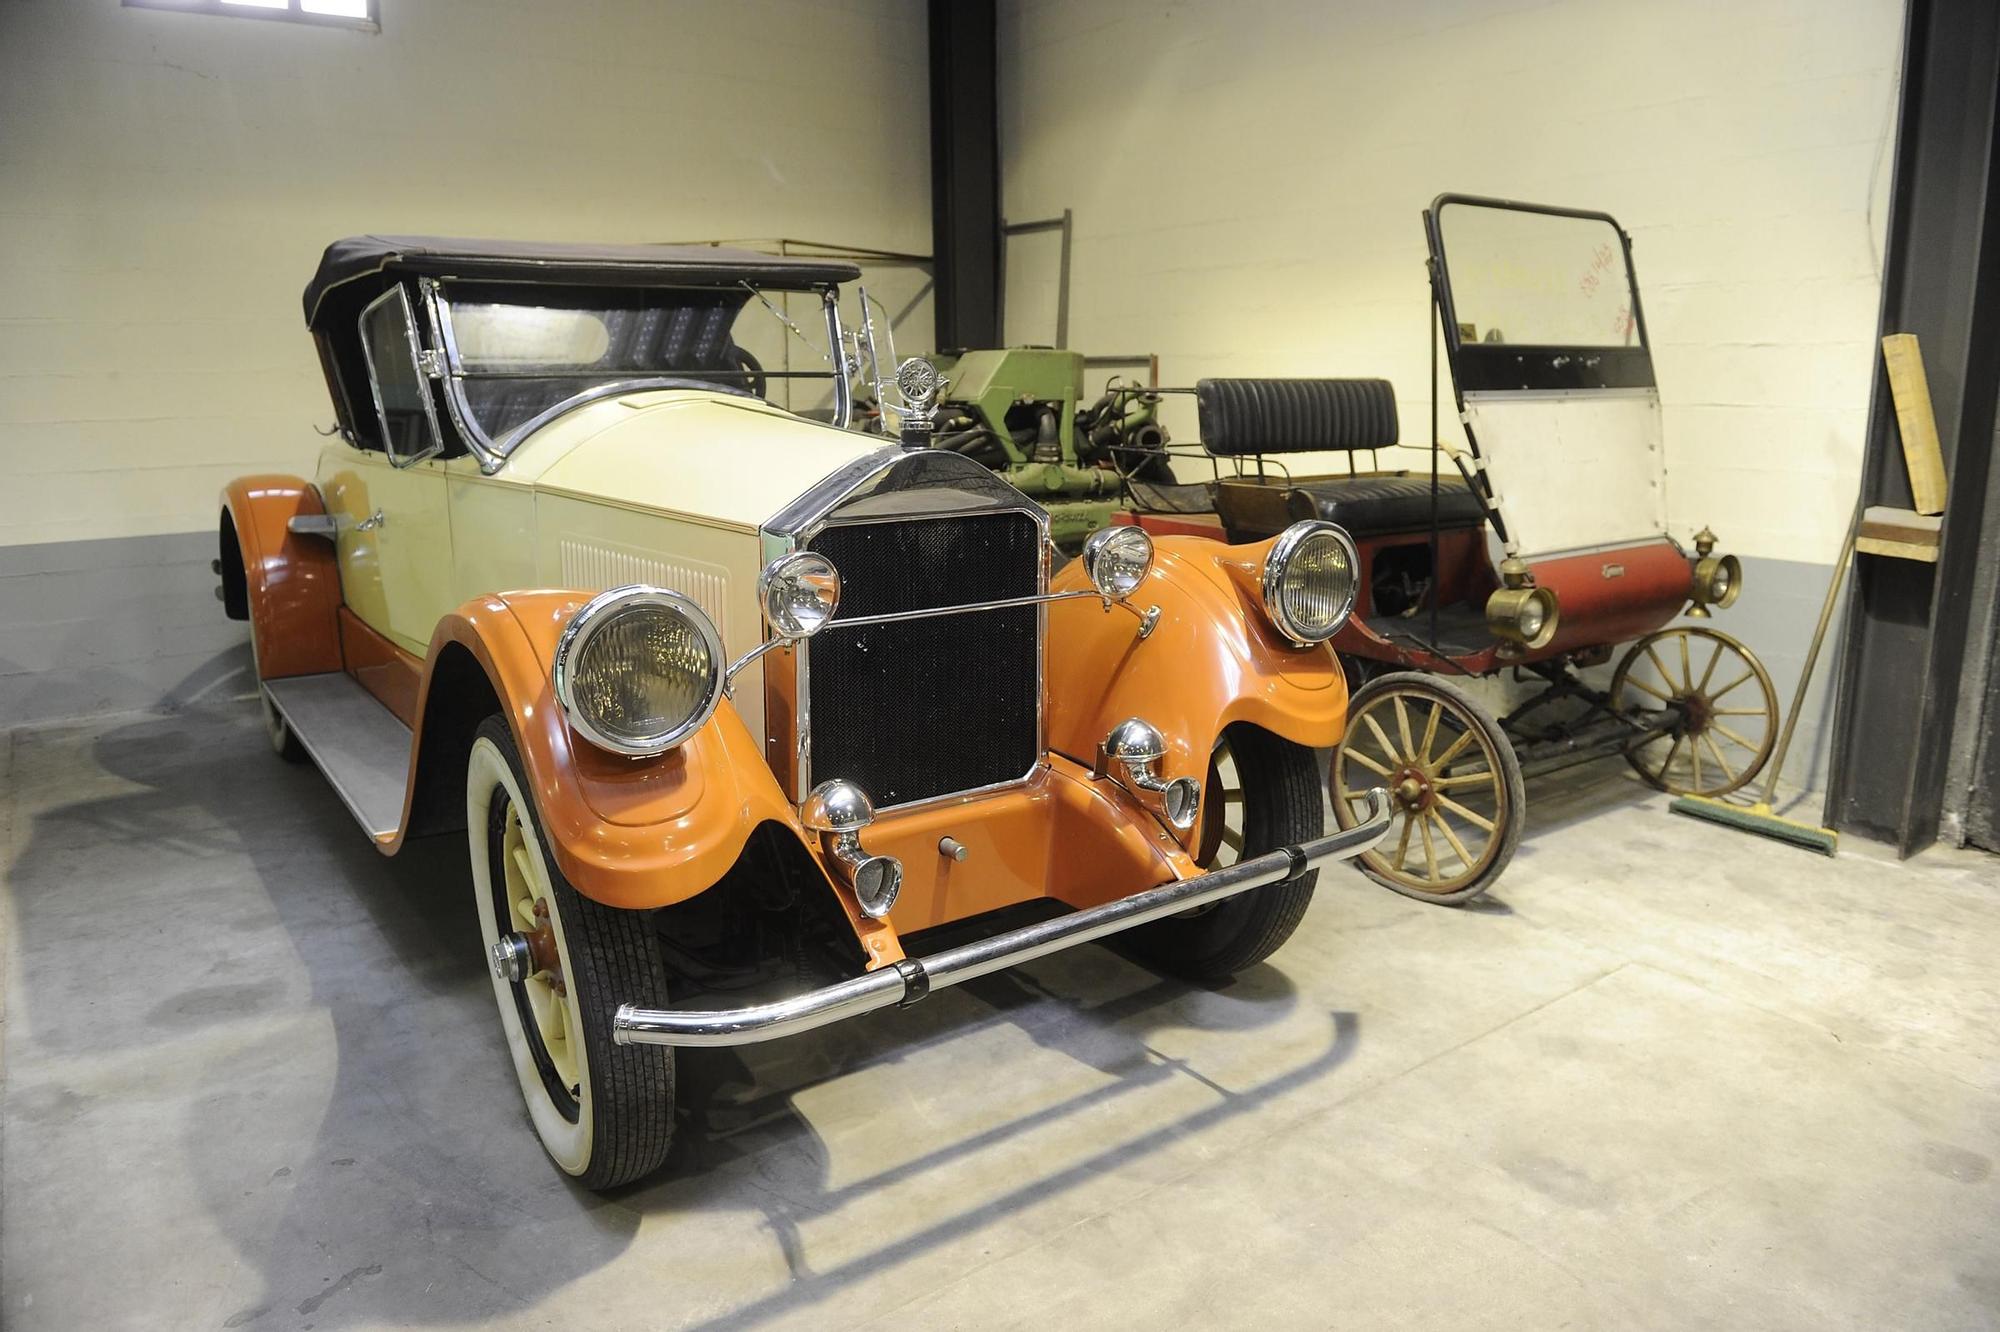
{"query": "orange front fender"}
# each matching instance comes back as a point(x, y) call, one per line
point(292, 582)
point(631, 833)
point(1214, 659)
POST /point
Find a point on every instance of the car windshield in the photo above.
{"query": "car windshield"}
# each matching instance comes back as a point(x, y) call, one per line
point(522, 352)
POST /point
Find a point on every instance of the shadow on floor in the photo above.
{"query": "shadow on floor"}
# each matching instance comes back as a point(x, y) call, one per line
point(354, 1127)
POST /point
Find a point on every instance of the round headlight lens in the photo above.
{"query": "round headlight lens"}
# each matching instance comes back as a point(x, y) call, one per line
point(1718, 581)
point(798, 593)
point(1531, 619)
point(1309, 581)
point(638, 670)
point(1116, 560)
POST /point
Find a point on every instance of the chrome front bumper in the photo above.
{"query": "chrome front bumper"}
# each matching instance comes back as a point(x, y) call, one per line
point(912, 978)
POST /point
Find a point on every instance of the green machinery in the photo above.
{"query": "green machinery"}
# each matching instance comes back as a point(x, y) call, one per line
point(1016, 410)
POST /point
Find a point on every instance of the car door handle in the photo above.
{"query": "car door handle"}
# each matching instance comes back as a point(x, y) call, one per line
point(371, 522)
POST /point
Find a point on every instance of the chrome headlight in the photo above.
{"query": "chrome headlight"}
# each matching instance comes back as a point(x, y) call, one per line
point(1309, 581)
point(1116, 560)
point(639, 670)
point(798, 593)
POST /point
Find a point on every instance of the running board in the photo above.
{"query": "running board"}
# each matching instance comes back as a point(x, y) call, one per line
point(359, 744)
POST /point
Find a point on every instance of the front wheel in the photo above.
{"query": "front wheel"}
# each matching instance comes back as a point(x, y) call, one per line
point(604, 1112)
point(1454, 784)
point(1262, 793)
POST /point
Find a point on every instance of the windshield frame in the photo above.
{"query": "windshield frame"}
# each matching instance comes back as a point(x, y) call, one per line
point(1483, 367)
point(492, 452)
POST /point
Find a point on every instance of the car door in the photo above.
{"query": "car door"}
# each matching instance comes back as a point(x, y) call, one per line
point(390, 503)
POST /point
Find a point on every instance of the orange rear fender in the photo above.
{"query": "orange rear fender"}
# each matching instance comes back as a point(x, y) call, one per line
point(291, 583)
point(1214, 659)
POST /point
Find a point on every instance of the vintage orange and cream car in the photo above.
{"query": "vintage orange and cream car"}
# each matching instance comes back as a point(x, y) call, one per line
point(727, 698)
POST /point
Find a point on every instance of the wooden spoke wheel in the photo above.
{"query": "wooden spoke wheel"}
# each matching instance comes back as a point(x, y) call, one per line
point(1710, 703)
point(1455, 791)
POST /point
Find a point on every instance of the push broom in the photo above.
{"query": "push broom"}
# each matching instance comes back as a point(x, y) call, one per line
point(1759, 817)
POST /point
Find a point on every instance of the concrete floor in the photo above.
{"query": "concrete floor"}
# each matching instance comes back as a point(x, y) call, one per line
point(1672, 1077)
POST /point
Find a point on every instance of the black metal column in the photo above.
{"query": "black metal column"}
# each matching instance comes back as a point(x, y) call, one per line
point(965, 172)
point(1906, 647)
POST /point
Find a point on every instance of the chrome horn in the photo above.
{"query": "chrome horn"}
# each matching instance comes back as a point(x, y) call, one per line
point(1136, 745)
point(838, 810)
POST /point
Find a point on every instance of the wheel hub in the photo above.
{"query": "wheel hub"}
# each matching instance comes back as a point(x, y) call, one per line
point(1412, 789)
point(523, 954)
point(542, 952)
point(1696, 713)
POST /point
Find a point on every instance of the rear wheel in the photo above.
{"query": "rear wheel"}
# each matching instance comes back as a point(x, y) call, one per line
point(1455, 790)
point(603, 1111)
point(276, 729)
point(1709, 704)
point(1262, 793)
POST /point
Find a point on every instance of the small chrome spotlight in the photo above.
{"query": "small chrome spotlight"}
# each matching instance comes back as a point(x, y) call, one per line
point(838, 810)
point(1116, 560)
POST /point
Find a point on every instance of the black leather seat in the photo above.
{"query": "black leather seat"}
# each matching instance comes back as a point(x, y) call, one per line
point(1253, 417)
point(1378, 505)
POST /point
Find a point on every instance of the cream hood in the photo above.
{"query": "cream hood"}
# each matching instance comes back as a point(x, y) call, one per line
point(713, 458)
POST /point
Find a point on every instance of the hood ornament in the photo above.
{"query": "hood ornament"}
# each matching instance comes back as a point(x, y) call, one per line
point(913, 391)
point(918, 386)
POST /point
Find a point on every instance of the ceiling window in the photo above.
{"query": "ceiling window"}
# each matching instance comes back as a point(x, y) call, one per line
point(335, 13)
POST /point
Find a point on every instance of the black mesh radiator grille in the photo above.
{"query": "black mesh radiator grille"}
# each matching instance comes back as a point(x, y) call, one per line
point(923, 708)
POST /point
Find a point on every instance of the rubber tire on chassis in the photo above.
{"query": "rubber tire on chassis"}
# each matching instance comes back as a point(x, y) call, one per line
point(1282, 806)
point(284, 742)
point(1508, 770)
point(625, 1116)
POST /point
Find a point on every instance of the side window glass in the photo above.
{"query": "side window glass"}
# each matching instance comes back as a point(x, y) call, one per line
point(396, 379)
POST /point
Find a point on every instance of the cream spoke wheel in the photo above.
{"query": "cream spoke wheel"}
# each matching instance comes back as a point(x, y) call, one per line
point(1685, 747)
point(1453, 781)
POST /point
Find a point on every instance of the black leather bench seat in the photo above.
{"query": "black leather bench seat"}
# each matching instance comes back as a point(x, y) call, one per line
point(1378, 505)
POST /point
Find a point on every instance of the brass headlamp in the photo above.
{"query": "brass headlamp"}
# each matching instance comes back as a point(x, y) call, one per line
point(1718, 579)
point(1520, 614)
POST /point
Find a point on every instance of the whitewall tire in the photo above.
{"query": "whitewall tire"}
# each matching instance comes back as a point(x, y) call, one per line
point(603, 1112)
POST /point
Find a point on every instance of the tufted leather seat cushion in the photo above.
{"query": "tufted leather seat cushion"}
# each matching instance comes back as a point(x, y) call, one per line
point(1376, 505)
point(1240, 417)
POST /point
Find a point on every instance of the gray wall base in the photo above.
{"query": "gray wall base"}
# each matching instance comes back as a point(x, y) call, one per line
point(91, 627)
point(116, 625)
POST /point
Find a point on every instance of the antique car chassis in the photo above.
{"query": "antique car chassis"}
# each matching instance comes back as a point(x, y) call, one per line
point(722, 695)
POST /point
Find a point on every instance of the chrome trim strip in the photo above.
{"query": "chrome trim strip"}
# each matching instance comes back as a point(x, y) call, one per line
point(438, 308)
point(907, 981)
point(510, 441)
point(1041, 599)
point(492, 453)
point(836, 343)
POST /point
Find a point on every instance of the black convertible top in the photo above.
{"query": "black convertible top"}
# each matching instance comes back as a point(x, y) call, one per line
point(360, 257)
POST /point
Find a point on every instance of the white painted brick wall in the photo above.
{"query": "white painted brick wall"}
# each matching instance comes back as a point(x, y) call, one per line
point(167, 182)
point(1247, 180)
